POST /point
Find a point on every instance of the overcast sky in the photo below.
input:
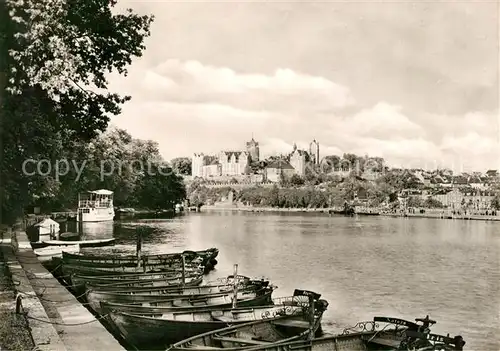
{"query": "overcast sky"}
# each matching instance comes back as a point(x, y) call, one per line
point(415, 83)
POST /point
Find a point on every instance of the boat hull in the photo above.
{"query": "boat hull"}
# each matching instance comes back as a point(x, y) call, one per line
point(162, 330)
point(69, 270)
point(99, 214)
point(249, 335)
point(47, 253)
point(219, 301)
point(203, 257)
point(82, 243)
point(80, 283)
point(95, 297)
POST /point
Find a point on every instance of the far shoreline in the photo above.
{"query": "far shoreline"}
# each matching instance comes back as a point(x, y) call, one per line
point(434, 215)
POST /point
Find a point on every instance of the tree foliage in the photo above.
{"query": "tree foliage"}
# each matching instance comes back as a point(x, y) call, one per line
point(181, 165)
point(56, 56)
point(132, 168)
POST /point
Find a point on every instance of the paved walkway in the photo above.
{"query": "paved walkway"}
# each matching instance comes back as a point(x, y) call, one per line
point(14, 330)
point(57, 320)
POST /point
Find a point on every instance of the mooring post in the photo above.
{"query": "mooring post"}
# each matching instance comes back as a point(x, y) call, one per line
point(311, 317)
point(235, 285)
point(139, 246)
point(183, 270)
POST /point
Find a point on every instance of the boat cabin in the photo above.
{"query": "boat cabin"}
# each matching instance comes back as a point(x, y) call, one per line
point(95, 206)
point(96, 199)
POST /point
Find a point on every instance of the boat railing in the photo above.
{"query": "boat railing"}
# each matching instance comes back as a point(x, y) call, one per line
point(287, 310)
point(381, 325)
point(360, 327)
point(95, 203)
point(301, 301)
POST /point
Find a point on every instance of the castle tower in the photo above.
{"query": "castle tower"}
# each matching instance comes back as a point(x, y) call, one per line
point(314, 151)
point(253, 150)
point(197, 164)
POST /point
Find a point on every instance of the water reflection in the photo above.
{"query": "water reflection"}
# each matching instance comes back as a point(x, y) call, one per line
point(363, 266)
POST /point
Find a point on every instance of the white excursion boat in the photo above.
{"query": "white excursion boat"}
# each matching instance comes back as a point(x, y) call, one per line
point(95, 206)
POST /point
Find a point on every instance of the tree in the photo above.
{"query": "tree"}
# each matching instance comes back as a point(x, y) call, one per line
point(161, 189)
point(330, 164)
point(431, 202)
point(296, 180)
point(182, 165)
point(495, 203)
point(55, 56)
point(352, 161)
point(414, 201)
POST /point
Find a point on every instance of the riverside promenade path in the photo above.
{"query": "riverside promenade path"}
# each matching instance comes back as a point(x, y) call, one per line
point(14, 330)
point(58, 321)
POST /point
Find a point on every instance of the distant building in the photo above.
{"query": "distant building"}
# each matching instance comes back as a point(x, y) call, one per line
point(298, 160)
point(460, 199)
point(253, 150)
point(234, 162)
point(276, 169)
point(314, 152)
point(226, 163)
point(197, 164)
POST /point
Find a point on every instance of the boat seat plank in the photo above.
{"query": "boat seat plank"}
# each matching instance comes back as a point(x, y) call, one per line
point(223, 319)
point(242, 311)
point(296, 323)
point(241, 341)
point(203, 347)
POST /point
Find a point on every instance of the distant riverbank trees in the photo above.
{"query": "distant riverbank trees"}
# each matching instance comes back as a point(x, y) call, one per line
point(132, 168)
point(54, 62)
point(296, 193)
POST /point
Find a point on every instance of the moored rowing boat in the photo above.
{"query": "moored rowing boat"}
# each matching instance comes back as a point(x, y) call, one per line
point(150, 330)
point(204, 256)
point(94, 297)
point(186, 303)
point(49, 252)
point(380, 334)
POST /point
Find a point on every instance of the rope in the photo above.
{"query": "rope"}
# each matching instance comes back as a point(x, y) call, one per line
point(66, 324)
point(45, 299)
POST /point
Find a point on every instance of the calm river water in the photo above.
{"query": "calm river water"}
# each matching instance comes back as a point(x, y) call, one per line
point(363, 266)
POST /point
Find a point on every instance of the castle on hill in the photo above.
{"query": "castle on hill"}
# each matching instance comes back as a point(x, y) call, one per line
point(237, 163)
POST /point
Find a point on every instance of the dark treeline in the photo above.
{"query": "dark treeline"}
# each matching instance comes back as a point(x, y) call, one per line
point(298, 194)
point(56, 104)
point(133, 168)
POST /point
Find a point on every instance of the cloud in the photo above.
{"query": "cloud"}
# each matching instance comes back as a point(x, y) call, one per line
point(190, 107)
point(283, 89)
point(382, 121)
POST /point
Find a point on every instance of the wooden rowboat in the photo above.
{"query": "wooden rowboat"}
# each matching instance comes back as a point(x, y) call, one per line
point(260, 333)
point(382, 333)
point(222, 300)
point(94, 297)
point(151, 330)
point(82, 243)
point(69, 269)
point(49, 252)
point(81, 280)
point(177, 282)
point(79, 283)
point(222, 303)
point(83, 258)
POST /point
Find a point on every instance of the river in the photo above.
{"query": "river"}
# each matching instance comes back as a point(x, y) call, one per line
point(363, 266)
